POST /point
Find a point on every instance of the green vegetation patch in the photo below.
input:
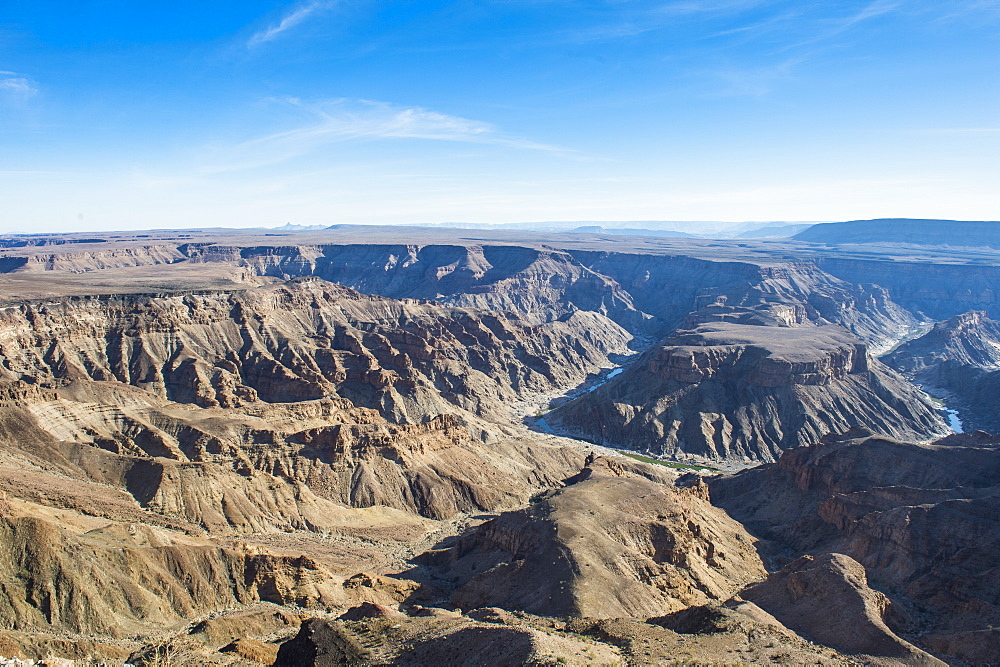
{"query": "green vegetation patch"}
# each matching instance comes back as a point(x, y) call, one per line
point(669, 464)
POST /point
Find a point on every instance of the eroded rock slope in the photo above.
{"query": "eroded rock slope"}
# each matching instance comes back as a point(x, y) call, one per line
point(960, 358)
point(728, 390)
point(922, 519)
point(610, 544)
point(304, 340)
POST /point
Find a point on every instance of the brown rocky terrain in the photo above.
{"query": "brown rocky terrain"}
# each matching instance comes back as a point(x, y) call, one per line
point(971, 339)
point(922, 520)
point(958, 358)
point(210, 454)
point(645, 290)
point(171, 456)
point(828, 600)
point(610, 544)
point(498, 637)
point(303, 341)
point(726, 390)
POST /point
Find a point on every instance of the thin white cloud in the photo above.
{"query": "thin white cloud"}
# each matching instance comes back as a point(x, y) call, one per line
point(961, 130)
point(346, 120)
point(870, 11)
point(757, 81)
point(289, 21)
point(624, 25)
point(16, 86)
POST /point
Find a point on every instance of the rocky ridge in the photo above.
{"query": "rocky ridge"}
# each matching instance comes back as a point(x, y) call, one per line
point(610, 544)
point(960, 359)
point(303, 341)
point(971, 339)
point(920, 518)
point(724, 390)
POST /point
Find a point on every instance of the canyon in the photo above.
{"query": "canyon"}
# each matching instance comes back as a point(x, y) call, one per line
point(370, 445)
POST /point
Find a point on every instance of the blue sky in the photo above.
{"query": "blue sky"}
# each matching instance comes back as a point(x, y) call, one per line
point(119, 115)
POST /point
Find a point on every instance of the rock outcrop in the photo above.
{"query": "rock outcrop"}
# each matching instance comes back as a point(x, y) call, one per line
point(828, 600)
point(301, 341)
point(610, 544)
point(971, 339)
point(958, 358)
point(78, 574)
point(725, 390)
point(921, 518)
point(684, 291)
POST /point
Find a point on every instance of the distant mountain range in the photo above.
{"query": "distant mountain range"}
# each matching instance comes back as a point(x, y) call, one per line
point(663, 228)
point(961, 233)
point(628, 231)
point(927, 232)
point(289, 227)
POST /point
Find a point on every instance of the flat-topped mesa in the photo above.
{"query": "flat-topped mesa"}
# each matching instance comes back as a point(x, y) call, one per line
point(104, 258)
point(739, 392)
point(776, 357)
point(971, 339)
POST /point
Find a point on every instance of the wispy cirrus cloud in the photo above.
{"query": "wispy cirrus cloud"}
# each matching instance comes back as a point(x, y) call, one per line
point(289, 21)
point(352, 120)
point(961, 130)
point(756, 81)
point(869, 11)
point(16, 87)
point(838, 26)
point(613, 24)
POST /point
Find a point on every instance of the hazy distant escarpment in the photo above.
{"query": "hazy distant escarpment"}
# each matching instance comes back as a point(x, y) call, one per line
point(648, 295)
point(905, 230)
point(937, 290)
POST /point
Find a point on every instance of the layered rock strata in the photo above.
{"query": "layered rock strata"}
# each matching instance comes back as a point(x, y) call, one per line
point(610, 544)
point(732, 391)
point(156, 447)
point(687, 290)
point(959, 358)
point(302, 341)
point(923, 520)
point(648, 294)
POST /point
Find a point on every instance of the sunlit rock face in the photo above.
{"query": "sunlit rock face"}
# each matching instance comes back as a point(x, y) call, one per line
point(724, 390)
